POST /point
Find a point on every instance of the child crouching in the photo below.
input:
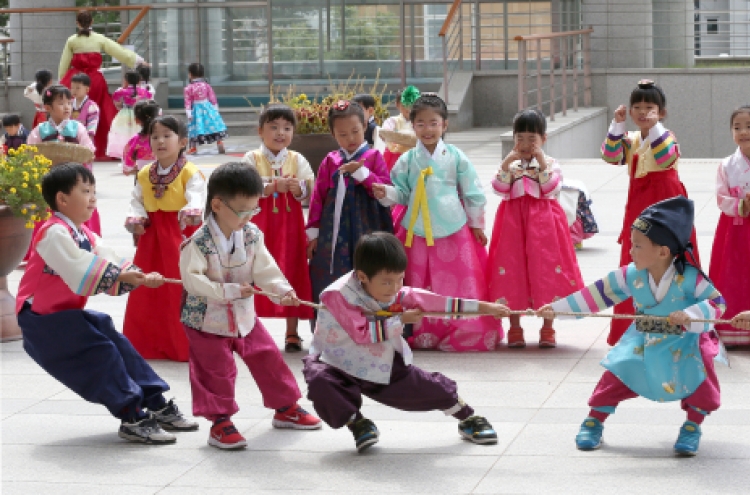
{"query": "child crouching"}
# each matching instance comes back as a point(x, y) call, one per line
point(81, 348)
point(219, 266)
point(356, 352)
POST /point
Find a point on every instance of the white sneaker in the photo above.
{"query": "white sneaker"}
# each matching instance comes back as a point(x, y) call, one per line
point(146, 430)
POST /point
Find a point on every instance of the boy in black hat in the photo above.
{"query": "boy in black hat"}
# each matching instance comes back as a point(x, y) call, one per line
point(661, 360)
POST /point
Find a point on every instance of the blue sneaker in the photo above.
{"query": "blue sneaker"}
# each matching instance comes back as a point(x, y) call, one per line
point(590, 435)
point(365, 434)
point(477, 429)
point(690, 437)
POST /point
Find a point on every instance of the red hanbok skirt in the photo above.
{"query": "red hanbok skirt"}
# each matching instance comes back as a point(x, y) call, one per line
point(40, 117)
point(152, 316)
point(730, 273)
point(90, 63)
point(285, 238)
point(642, 193)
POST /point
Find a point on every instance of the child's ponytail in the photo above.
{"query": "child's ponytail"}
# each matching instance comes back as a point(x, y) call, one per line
point(43, 78)
point(146, 111)
point(133, 77)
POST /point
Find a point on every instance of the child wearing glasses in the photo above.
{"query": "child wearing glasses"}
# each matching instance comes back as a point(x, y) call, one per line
point(219, 266)
point(166, 207)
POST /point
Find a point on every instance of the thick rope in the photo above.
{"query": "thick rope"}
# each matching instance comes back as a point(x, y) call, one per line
point(526, 312)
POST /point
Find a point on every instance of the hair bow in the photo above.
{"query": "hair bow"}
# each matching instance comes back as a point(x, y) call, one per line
point(341, 105)
point(646, 83)
point(48, 93)
point(430, 93)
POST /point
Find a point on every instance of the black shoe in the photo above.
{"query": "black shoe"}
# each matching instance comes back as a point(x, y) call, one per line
point(292, 343)
point(477, 429)
point(365, 434)
point(170, 418)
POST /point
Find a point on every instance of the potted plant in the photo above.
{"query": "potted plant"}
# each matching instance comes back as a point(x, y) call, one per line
point(313, 137)
point(21, 204)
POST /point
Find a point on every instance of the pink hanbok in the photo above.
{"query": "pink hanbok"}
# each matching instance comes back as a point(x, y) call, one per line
point(137, 153)
point(444, 256)
point(729, 269)
point(124, 126)
point(532, 261)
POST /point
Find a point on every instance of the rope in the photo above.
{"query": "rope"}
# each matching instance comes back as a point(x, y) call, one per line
point(525, 312)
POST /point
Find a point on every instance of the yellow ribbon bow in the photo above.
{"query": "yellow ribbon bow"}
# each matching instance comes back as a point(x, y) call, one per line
point(420, 205)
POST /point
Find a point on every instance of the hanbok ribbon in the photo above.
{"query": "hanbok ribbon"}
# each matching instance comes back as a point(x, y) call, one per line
point(737, 192)
point(420, 205)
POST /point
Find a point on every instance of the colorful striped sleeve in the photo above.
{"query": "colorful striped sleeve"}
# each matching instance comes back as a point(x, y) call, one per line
point(602, 294)
point(711, 305)
point(613, 148)
point(100, 277)
point(663, 146)
point(118, 288)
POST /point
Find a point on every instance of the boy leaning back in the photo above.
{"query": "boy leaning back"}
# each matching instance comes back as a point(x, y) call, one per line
point(357, 352)
point(81, 348)
point(219, 266)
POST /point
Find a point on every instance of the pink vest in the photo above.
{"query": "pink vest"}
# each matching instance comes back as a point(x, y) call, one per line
point(49, 291)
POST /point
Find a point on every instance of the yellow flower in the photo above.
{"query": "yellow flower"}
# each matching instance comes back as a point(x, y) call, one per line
point(38, 187)
point(24, 185)
point(13, 190)
point(29, 225)
point(24, 211)
point(36, 176)
point(33, 207)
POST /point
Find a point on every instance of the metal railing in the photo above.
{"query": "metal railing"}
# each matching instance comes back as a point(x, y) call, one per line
point(452, 41)
point(567, 52)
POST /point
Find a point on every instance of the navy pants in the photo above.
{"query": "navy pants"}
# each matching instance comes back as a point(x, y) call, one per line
point(83, 350)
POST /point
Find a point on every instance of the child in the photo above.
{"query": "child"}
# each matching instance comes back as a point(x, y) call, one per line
point(652, 155)
point(145, 72)
point(442, 229)
point(730, 270)
point(288, 180)
point(355, 353)
point(85, 110)
point(219, 266)
point(167, 206)
point(81, 348)
point(205, 125)
point(367, 102)
point(532, 261)
point(124, 126)
point(343, 208)
point(137, 153)
point(405, 99)
point(34, 91)
point(59, 128)
point(656, 359)
point(15, 133)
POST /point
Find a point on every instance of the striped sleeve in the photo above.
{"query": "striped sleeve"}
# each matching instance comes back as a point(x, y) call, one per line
point(602, 294)
point(457, 305)
point(378, 328)
point(711, 305)
point(119, 288)
point(613, 148)
point(663, 146)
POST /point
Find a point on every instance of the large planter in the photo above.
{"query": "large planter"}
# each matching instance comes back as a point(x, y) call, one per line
point(14, 241)
point(314, 147)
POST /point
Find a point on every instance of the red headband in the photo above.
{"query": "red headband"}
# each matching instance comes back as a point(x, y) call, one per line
point(341, 105)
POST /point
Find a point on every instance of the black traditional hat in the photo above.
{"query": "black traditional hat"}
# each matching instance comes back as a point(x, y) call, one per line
point(669, 223)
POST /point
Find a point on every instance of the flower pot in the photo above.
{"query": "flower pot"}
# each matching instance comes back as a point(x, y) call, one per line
point(14, 241)
point(314, 147)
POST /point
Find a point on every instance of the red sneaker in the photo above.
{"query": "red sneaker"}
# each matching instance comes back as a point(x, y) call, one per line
point(225, 436)
point(297, 418)
point(515, 338)
point(547, 338)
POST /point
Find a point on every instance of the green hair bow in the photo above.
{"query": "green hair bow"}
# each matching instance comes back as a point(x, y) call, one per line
point(409, 95)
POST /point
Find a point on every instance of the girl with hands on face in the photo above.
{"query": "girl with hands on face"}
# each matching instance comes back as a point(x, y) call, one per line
point(532, 260)
point(651, 154)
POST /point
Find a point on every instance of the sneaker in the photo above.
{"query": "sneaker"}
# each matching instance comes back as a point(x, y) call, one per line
point(515, 337)
point(690, 437)
point(477, 429)
point(293, 343)
point(296, 418)
point(547, 338)
point(170, 418)
point(220, 147)
point(224, 435)
point(590, 435)
point(365, 434)
point(192, 151)
point(146, 430)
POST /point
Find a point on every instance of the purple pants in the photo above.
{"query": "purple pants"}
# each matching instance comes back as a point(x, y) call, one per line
point(337, 396)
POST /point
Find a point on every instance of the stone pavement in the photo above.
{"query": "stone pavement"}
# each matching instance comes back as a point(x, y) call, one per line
point(53, 442)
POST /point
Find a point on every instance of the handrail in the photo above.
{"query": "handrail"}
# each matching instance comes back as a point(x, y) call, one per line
point(124, 36)
point(547, 36)
point(557, 55)
point(449, 18)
